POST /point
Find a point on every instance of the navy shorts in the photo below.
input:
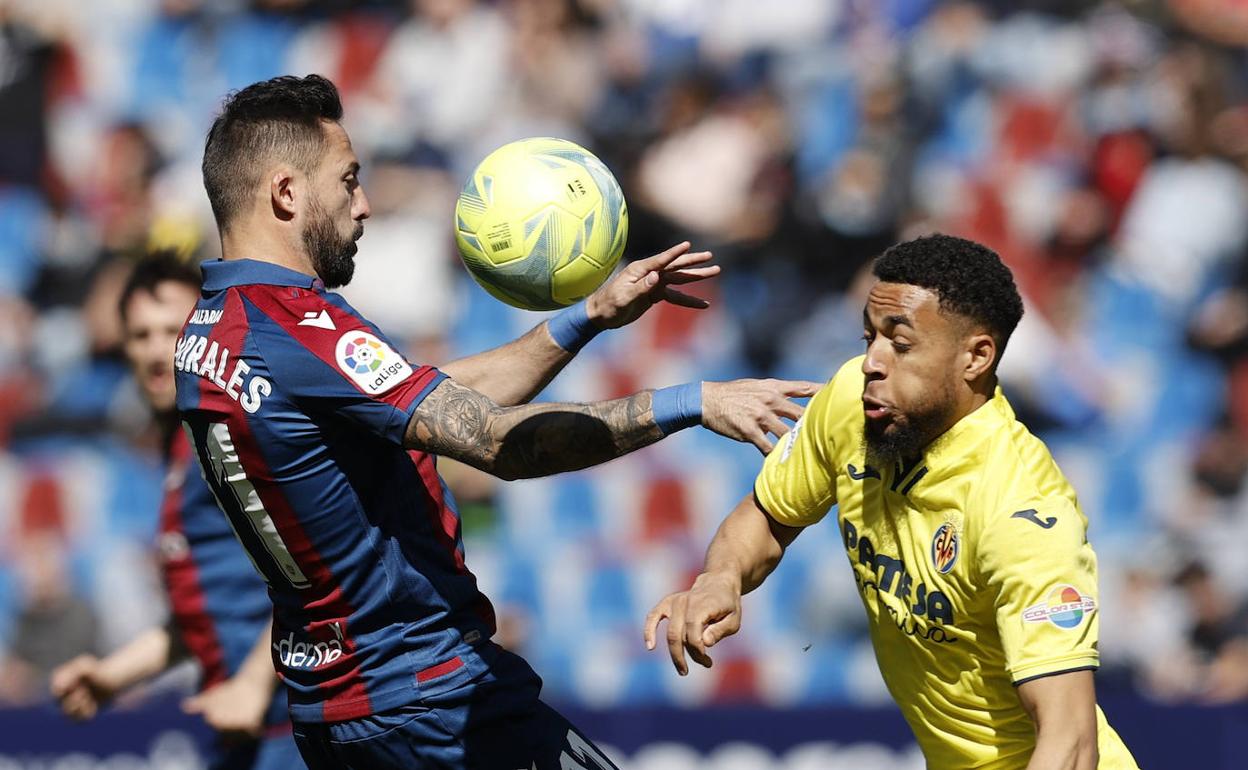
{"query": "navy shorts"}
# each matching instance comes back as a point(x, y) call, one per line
point(495, 723)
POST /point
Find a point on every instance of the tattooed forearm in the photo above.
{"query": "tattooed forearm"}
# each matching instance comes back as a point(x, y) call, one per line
point(533, 440)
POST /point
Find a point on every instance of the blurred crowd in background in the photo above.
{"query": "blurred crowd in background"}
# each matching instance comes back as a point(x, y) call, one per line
point(1101, 148)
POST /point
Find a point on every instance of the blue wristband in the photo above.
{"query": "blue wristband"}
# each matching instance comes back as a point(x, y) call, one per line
point(571, 328)
point(677, 407)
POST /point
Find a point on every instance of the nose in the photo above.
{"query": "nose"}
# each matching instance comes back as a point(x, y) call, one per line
point(359, 207)
point(873, 363)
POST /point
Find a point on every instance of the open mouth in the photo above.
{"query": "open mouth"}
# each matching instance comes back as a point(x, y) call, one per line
point(875, 409)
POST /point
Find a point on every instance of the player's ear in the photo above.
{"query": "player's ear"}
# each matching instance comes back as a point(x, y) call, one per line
point(282, 193)
point(981, 355)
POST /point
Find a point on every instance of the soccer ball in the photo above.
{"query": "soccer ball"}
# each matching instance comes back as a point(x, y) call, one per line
point(541, 223)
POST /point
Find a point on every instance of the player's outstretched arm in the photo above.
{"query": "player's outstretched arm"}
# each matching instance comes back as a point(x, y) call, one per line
point(236, 708)
point(544, 439)
point(1063, 706)
point(516, 372)
point(85, 684)
point(747, 547)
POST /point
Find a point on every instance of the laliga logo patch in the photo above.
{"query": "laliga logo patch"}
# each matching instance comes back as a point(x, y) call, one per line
point(791, 439)
point(945, 547)
point(1066, 607)
point(371, 363)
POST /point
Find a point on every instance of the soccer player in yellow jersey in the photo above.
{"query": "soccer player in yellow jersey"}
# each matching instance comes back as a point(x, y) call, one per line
point(965, 540)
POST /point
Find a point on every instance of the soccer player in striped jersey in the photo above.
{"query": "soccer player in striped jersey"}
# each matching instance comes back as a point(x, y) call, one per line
point(320, 439)
point(219, 608)
point(964, 538)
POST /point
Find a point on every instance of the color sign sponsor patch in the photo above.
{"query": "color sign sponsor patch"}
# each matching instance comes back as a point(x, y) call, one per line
point(371, 363)
point(1066, 607)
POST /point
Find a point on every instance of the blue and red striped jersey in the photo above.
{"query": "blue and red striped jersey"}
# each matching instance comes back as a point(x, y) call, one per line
point(296, 408)
point(218, 605)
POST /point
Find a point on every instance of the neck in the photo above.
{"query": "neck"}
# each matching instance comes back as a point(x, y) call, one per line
point(243, 241)
point(971, 399)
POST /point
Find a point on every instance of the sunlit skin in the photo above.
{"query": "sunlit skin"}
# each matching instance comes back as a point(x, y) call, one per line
point(151, 327)
point(336, 187)
point(926, 368)
point(327, 205)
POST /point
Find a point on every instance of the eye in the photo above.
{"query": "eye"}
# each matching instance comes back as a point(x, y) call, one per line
point(867, 337)
point(901, 347)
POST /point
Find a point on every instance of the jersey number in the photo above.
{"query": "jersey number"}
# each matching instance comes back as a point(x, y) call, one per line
point(582, 755)
point(241, 503)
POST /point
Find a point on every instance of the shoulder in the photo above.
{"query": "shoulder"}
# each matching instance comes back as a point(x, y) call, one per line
point(321, 323)
point(1018, 466)
point(836, 410)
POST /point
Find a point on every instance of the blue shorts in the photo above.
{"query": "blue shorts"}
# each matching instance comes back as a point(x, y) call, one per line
point(276, 751)
point(494, 723)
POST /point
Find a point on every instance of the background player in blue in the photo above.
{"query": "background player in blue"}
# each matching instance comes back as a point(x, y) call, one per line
point(219, 608)
point(319, 439)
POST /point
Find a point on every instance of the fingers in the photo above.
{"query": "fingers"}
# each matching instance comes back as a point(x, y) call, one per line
point(759, 439)
point(656, 616)
point(78, 704)
point(675, 633)
point(662, 259)
point(193, 705)
point(786, 408)
point(70, 675)
point(772, 424)
point(689, 275)
point(677, 297)
point(726, 626)
point(688, 260)
point(799, 388)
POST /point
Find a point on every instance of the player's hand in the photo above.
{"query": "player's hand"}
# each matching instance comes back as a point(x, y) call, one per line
point(81, 687)
point(697, 619)
point(234, 708)
point(747, 410)
point(641, 284)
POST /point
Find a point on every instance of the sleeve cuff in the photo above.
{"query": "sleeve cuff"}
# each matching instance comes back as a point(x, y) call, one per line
point(403, 411)
point(1074, 662)
point(778, 514)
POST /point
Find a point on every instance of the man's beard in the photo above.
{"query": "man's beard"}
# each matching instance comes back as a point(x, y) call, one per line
point(332, 255)
point(894, 442)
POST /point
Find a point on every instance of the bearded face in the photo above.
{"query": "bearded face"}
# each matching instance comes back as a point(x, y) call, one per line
point(332, 252)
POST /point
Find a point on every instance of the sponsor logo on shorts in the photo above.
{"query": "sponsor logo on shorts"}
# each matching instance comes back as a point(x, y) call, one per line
point(1066, 607)
point(371, 363)
point(306, 655)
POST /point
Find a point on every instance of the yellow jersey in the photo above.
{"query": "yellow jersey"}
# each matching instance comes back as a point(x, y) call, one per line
point(972, 562)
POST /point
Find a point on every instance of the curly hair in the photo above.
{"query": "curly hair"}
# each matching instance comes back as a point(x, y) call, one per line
point(156, 267)
point(969, 279)
point(277, 119)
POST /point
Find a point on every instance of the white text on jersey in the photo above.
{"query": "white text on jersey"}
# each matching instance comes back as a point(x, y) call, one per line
point(205, 317)
point(197, 355)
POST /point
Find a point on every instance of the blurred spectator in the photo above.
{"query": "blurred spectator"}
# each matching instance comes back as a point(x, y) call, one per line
point(1218, 635)
point(52, 624)
point(1100, 147)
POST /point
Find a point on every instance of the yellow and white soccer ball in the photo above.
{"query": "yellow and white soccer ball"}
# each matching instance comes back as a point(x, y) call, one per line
point(541, 223)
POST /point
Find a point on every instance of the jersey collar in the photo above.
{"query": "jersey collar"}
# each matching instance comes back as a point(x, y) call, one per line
point(982, 421)
point(221, 274)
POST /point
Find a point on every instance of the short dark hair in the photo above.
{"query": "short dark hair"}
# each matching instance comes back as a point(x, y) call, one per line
point(276, 118)
point(157, 267)
point(968, 278)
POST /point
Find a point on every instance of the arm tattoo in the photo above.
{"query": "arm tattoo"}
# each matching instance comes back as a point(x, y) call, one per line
point(531, 440)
